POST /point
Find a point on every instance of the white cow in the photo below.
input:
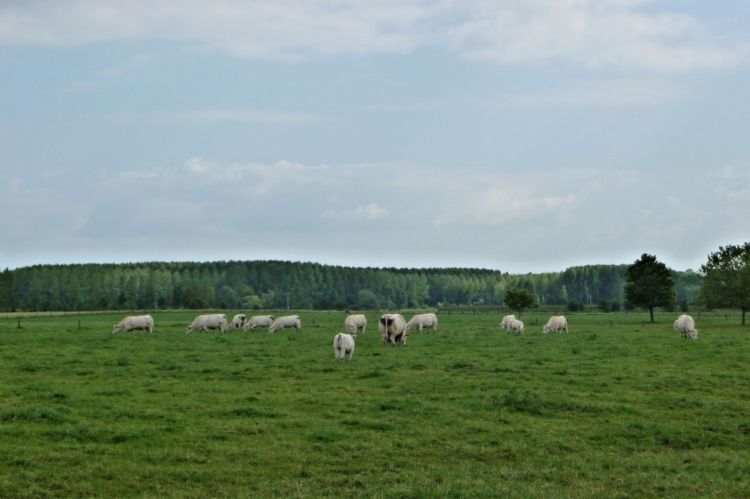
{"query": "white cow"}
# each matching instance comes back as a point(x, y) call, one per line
point(343, 346)
point(686, 326)
point(355, 322)
point(132, 322)
point(392, 329)
point(285, 321)
point(208, 321)
point(556, 323)
point(515, 326)
point(506, 320)
point(423, 321)
point(258, 321)
point(238, 321)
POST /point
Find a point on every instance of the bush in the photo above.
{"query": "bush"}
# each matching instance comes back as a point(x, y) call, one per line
point(574, 306)
point(609, 306)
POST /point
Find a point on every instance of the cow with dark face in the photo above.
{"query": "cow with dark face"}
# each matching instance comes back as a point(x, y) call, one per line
point(392, 329)
point(238, 321)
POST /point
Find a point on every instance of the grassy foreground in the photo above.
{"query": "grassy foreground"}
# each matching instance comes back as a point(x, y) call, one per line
point(615, 408)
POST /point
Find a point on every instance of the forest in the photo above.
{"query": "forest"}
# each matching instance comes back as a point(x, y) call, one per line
point(299, 285)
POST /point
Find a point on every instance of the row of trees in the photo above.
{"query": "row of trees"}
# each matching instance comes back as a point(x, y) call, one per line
point(277, 284)
point(650, 284)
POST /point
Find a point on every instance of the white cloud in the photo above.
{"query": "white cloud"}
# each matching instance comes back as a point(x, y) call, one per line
point(110, 73)
point(608, 93)
point(504, 200)
point(592, 33)
point(533, 220)
point(214, 116)
point(370, 211)
point(732, 184)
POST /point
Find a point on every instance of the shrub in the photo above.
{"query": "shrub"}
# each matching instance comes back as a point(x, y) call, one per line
point(574, 306)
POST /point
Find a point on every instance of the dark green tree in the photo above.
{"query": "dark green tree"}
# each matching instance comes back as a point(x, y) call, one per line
point(366, 299)
point(7, 293)
point(726, 278)
point(519, 299)
point(649, 284)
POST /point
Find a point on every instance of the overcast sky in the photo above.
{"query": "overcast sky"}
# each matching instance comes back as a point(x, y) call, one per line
point(520, 135)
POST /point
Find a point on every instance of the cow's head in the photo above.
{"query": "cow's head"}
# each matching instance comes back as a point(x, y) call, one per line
point(116, 328)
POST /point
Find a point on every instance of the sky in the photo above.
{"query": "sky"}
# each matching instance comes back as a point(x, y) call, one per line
point(519, 135)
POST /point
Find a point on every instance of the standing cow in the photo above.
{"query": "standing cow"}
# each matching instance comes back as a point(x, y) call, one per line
point(284, 322)
point(238, 321)
point(343, 346)
point(506, 320)
point(208, 321)
point(686, 326)
point(556, 323)
point(423, 321)
point(131, 322)
point(258, 321)
point(355, 322)
point(515, 326)
point(392, 329)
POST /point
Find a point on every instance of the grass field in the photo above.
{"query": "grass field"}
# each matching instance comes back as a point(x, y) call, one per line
point(617, 408)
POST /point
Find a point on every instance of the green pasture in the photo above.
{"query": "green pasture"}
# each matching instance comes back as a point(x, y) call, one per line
point(617, 407)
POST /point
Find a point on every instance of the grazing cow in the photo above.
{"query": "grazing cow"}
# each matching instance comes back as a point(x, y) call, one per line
point(556, 323)
point(238, 321)
point(343, 346)
point(132, 322)
point(208, 321)
point(686, 326)
point(515, 326)
point(355, 322)
point(392, 329)
point(285, 321)
point(258, 321)
point(423, 321)
point(506, 320)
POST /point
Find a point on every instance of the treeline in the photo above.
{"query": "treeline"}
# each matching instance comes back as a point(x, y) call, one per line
point(279, 284)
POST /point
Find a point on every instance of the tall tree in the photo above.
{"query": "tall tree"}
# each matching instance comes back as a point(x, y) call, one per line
point(7, 293)
point(726, 278)
point(519, 299)
point(649, 284)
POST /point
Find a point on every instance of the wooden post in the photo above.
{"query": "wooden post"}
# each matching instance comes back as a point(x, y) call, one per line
point(19, 324)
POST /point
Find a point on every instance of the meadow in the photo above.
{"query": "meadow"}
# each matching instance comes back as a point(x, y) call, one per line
point(617, 407)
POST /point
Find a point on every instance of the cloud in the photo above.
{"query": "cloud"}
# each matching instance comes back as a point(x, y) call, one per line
point(215, 116)
point(370, 211)
point(592, 33)
point(608, 94)
point(368, 214)
point(732, 184)
point(110, 73)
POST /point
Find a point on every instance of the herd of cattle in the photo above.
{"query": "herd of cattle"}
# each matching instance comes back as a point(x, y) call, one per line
point(393, 327)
